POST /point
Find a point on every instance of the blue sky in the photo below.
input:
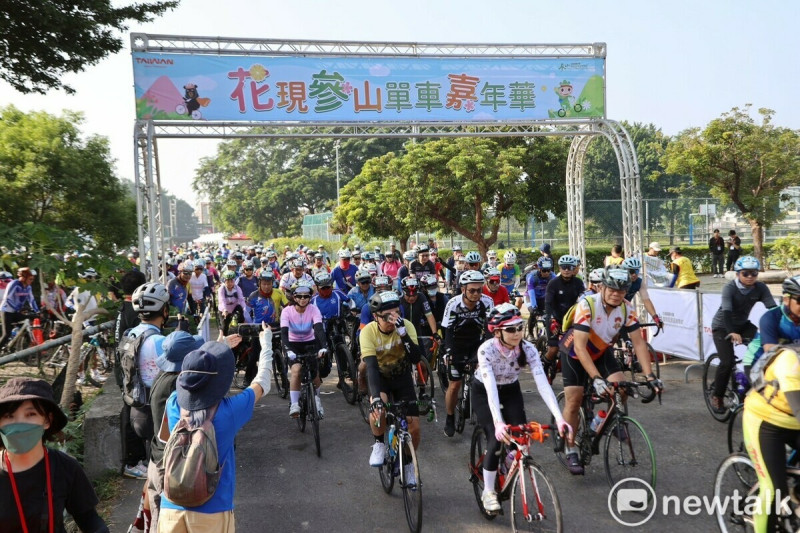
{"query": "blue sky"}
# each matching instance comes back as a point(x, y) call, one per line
point(676, 64)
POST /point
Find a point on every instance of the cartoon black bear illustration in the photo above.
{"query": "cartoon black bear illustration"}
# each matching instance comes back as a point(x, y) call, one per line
point(190, 97)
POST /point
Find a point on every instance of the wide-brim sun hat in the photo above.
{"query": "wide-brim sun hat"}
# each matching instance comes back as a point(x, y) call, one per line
point(176, 345)
point(206, 376)
point(21, 389)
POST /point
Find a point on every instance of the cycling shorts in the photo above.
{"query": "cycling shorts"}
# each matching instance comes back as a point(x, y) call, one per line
point(458, 360)
point(302, 348)
point(575, 375)
point(401, 388)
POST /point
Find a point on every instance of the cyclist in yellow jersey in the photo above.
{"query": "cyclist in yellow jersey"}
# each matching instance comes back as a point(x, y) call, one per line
point(681, 266)
point(771, 421)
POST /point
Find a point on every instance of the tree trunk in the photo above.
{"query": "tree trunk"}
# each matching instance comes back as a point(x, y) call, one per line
point(74, 357)
point(757, 230)
point(403, 243)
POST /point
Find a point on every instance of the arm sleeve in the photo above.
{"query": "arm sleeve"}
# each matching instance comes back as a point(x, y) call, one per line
point(490, 384)
point(319, 335)
point(373, 376)
point(542, 384)
point(676, 270)
point(285, 337)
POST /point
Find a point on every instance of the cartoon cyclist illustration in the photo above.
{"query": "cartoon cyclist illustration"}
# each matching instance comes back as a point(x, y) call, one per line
point(565, 99)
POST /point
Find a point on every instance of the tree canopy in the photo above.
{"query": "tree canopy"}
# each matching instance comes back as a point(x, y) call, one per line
point(43, 40)
point(746, 163)
point(264, 186)
point(50, 175)
point(465, 186)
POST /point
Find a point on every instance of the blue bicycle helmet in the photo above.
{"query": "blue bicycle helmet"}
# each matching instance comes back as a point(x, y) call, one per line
point(746, 262)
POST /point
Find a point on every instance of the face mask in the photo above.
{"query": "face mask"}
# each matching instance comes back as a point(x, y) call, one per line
point(21, 437)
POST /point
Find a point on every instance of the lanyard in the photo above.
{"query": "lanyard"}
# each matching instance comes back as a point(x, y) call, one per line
point(19, 502)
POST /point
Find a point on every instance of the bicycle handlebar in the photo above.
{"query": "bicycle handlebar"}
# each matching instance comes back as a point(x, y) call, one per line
point(529, 431)
point(648, 324)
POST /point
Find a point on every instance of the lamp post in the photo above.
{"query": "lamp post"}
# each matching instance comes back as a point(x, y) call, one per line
point(336, 147)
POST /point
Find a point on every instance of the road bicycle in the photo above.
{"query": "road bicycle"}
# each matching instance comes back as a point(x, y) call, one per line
point(400, 458)
point(537, 331)
point(464, 403)
point(422, 375)
point(735, 389)
point(627, 450)
point(534, 501)
point(23, 336)
point(627, 360)
point(736, 484)
point(307, 402)
point(336, 332)
point(94, 353)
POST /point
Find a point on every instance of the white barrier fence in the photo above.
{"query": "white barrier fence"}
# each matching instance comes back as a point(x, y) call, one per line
point(687, 316)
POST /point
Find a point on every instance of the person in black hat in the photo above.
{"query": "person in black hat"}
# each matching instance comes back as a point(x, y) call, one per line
point(38, 483)
point(205, 378)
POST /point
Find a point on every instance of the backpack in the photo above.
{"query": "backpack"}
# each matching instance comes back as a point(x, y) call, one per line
point(191, 462)
point(759, 368)
point(134, 391)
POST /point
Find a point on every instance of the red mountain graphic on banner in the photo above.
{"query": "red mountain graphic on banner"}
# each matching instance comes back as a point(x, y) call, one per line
point(163, 95)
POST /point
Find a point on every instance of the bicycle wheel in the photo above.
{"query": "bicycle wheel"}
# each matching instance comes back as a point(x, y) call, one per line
point(581, 434)
point(534, 501)
point(735, 432)
point(628, 452)
point(386, 471)
point(348, 375)
point(313, 415)
point(58, 360)
point(87, 355)
point(730, 399)
point(735, 479)
point(461, 409)
point(441, 372)
point(301, 419)
point(423, 382)
point(477, 452)
point(279, 373)
point(412, 491)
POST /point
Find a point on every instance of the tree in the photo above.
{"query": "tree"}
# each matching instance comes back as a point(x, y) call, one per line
point(264, 186)
point(41, 42)
point(373, 203)
point(743, 162)
point(50, 175)
point(469, 185)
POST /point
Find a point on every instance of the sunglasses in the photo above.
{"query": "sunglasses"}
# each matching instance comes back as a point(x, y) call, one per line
point(565, 267)
point(544, 270)
point(384, 317)
point(302, 296)
point(474, 264)
point(365, 282)
point(494, 281)
point(326, 288)
point(424, 255)
point(514, 329)
point(749, 273)
point(473, 291)
point(248, 269)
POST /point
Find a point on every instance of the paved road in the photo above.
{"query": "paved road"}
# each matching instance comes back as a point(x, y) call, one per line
point(283, 486)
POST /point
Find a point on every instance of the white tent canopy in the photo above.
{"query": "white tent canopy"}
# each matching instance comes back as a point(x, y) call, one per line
point(211, 238)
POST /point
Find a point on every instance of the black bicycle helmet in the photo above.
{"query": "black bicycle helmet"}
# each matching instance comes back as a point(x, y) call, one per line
point(383, 301)
point(791, 286)
point(616, 278)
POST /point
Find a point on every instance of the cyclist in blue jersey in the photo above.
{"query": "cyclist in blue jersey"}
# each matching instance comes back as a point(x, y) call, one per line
point(18, 295)
point(344, 274)
point(638, 286)
point(509, 272)
point(248, 282)
point(178, 288)
point(536, 283)
point(364, 290)
point(779, 325)
point(332, 304)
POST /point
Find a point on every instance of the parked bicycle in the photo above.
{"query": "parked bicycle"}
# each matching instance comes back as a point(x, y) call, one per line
point(735, 391)
point(401, 462)
point(23, 336)
point(736, 481)
point(627, 450)
point(94, 358)
point(626, 356)
point(307, 402)
point(534, 501)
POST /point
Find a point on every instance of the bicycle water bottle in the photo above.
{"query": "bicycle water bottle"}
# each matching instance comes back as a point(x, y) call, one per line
point(598, 420)
point(234, 322)
point(14, 332)
point(742, 383)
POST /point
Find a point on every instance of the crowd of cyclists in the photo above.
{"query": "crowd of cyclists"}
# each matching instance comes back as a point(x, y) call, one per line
point(469, 307)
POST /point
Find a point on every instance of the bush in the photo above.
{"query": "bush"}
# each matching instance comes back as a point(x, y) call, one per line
point(785, 253)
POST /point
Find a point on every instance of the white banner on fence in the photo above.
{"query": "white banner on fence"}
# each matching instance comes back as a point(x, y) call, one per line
point(678, 310)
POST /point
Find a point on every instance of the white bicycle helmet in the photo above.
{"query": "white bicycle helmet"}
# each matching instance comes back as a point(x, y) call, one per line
point(345, 254)
point(421, 248)
point(149, 297)
point(491, 253)
point(409, 255)
point(187, 266)
point(471, 276)
point(510, 257)
point(569, 260)
point(596, 275)
point(473, 257)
